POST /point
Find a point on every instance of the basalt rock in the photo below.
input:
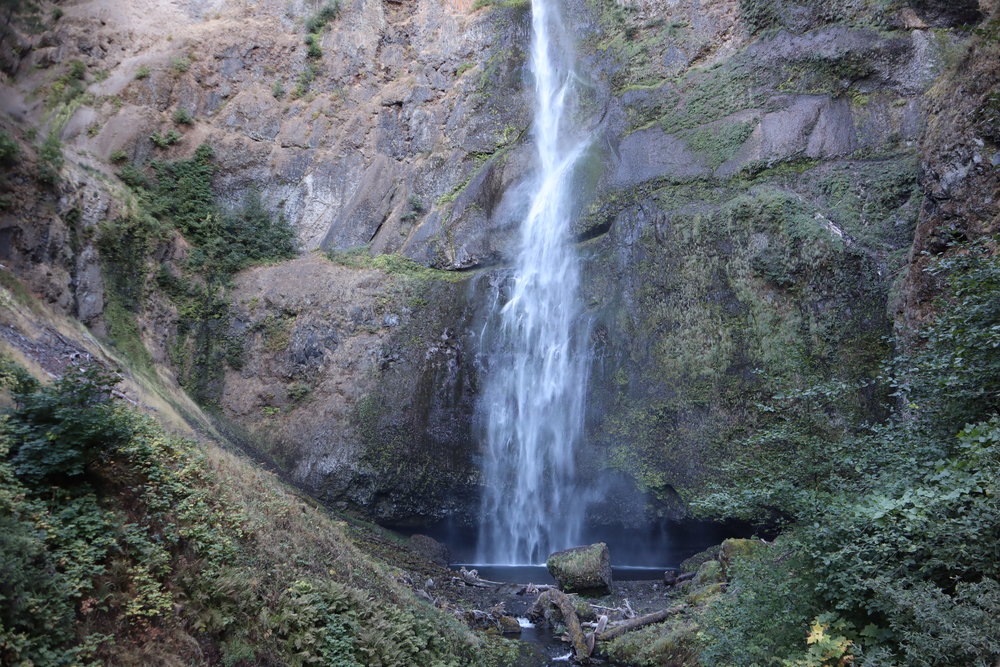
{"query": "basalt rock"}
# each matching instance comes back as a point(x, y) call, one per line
point(585, 569)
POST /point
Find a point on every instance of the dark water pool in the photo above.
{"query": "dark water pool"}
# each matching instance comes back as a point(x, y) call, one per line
point(537, 574)
point(636, 553)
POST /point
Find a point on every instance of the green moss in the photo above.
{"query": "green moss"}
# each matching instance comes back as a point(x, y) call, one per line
point(671, 643)
point(701, 97)
point(277, 331)
point(705, 594)
point(692, 563)
point(745, 284)
point(719, 143)
point(709, 572)
point(394, 265)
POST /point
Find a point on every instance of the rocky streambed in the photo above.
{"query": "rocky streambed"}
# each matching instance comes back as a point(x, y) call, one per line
point(629, 620)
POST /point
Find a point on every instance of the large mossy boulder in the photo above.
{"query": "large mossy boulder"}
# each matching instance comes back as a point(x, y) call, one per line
point(582, 569)
point(735, 549)
point(710, 572)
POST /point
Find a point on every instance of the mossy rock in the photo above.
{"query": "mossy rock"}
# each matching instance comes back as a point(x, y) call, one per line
point(582, 569)
point(705, 594)
point(735, 549)
point(694, 562)
point(672, 643)
point(509, 625)
point(710, 572)
point(584, 611)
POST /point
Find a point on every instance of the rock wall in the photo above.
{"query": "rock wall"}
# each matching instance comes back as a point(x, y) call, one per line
point(747, 213)
point(761, 182)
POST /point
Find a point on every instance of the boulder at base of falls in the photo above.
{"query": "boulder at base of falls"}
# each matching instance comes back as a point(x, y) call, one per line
point(582, 569)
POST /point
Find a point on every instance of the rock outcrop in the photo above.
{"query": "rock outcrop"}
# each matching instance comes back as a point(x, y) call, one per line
point(584, 569)
point(747, 225)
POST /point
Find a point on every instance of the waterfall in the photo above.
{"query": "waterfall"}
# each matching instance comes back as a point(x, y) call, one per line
point(534, 340)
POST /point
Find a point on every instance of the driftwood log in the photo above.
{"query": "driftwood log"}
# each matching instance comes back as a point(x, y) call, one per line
point(565, 606)
point(639, 622)
point(471, 578)
point(531, 589)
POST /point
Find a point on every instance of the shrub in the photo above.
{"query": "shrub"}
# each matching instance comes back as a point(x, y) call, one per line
point(183, 116)
point(142, 72)
point(278, 90)
point(58, 431)
point(248, 234)
point(298, 392)
point(77, 70)
point(314, 51)
point(133, 176)
point(169, 138)
point(180, 64)
point(57, 13)
point(305, 80)
point(890, 552)
point(326, 13)
point(9, 150)
point(50, 159)
point(118, 155)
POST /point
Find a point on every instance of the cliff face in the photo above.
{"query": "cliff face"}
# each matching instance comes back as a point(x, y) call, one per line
point(761, 184)
point(747, 211)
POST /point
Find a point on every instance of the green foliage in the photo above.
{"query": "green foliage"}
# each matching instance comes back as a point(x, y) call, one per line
point(59, 431)
point(77, 70)
point(148, 548)
point(676, 644)
point(719, 143)
point(952, 377)
point(50, 159)
point(71, 459)
point(182, 192)
point(183, 116)
point(890, 551)
point(180, 65)
point(169, 138)
point(118, 156)
point(306, 77)
point(397, 265)
point(758, 15)
point(68, 87)
point(314, 51)
point(229, 241)
point(133, 176)
point(142, 72)
point(762, 15)
point(318, 21)
point(9, 150)
point(278, 90)
point(298, 392)
point(224, 241)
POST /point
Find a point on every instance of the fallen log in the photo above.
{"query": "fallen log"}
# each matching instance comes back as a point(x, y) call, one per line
point(598, 629)
point(472, 578)
point(639, 622)
point(531, 589)
point(561, 601)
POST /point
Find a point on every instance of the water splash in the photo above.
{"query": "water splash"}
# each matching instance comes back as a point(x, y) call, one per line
point(534, 340)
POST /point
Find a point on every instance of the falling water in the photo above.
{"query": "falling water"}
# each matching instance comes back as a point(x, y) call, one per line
point(534, 340)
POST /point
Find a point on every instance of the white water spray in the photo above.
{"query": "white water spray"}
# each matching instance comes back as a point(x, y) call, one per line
point(535, 342)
